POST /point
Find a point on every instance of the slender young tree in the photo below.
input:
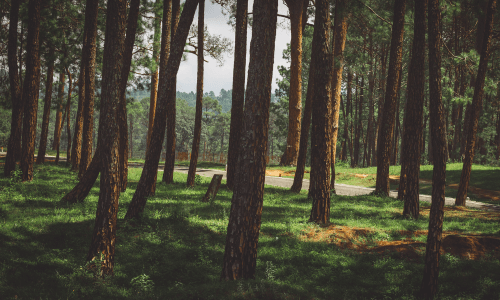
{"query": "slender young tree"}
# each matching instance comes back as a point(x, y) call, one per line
point(438, 130)
point(148, 176)
point(59, 110)
point(410, 149)
point(476, 106)
point(168, 169)
point(240, 255)
point(40, 159)
point(133, 16)
point(88, 61)
point(199, 96)
point(321, 134)
point(238, 93)
point(15, 92)
point(386, 129)
point(30, 90)
point(102, 247)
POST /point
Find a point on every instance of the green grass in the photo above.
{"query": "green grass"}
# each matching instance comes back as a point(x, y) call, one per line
point(175, 250)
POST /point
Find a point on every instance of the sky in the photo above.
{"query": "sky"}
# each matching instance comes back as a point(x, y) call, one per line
point(221, 77)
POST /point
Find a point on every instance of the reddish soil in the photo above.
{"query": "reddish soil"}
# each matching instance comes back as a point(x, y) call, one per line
point(355, 238)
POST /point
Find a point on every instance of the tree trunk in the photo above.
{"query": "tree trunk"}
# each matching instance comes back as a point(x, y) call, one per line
point(102, 247)
point(412, 123)
point(88, 60)
point(199, 97)
point(384, 144)
point(382, 81)
point(144, 187)
point(340, 27)
point(59, 112)
point(321, 135)
point(240, 253)
point(238, 94)
point(40, 159)
point(68, 128)
point(122, 107)
point(359, 124)
point(476, 106)
point(15, 91)
point(168, 170)
point(30, 90)
point(76, 151)
point(371, 107)
point(295, 8)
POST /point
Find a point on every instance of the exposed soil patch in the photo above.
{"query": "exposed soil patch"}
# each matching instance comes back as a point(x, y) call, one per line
point(367, 240)
point(280, 173)
point(463, 212)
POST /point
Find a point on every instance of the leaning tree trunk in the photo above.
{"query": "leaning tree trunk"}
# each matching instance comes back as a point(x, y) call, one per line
point(168, 170)
point(102, 247)
point(434, 237)
point(475, 107)
point(385, 134)
point(122, 107)
point(88, 59)
point(341, 19)
point(148, 175)
point(296, 8)
point(40, 159)
point(238, 94)
point(30, 90)
point(15, 92)
point(199, 97)
point(321, 134)
point(412, 135)
point(240, 255)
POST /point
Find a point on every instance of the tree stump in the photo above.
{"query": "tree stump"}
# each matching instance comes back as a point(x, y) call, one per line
point(213, 188)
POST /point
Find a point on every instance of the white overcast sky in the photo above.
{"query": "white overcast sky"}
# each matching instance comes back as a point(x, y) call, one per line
point(221, 77)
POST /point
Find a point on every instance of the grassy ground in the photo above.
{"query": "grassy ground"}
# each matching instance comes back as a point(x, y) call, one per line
point(175, 251)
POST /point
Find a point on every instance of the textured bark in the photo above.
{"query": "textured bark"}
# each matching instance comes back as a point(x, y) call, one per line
point(88, 59)
point(371, 108)
point(30, 90)
point(68, 128)
point(154, 74)
point(76, 151)
point(122, 107)
point(385, 134)
point(148, 175)
point(412, 123)
point(102, 248)
point(199, 97)
point(168, 170)
point(240, 255)
point(15, 92)
point(382, 81)
point(59, 111)
point(306, 125)
point(429, 285)
point(40, 159)
point(340, 35)
point(476, 106)
point(321, 134)
point(296, 8)
point(358, 132)
point(238, 94)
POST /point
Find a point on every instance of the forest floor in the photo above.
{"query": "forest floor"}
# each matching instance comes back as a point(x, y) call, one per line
point(175, 250)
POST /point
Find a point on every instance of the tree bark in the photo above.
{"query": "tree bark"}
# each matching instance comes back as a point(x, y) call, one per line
point(240, 255)
point(412, 134)
point(15, 91)
point(296, 8)
point(148, 175)
point(321, 135)
point(429, 285)
point(385, 134)
point(476, 106)
point(358, 133)
point(40, 159)
point(340, 27)
point(102, 248)
point(238, 94)
point(168, 170)
point(122, 107)
point(199, 97)
point(76, 151)
point(59, 112)
point(68, 128)
point(30, 90)
point(89, 61)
